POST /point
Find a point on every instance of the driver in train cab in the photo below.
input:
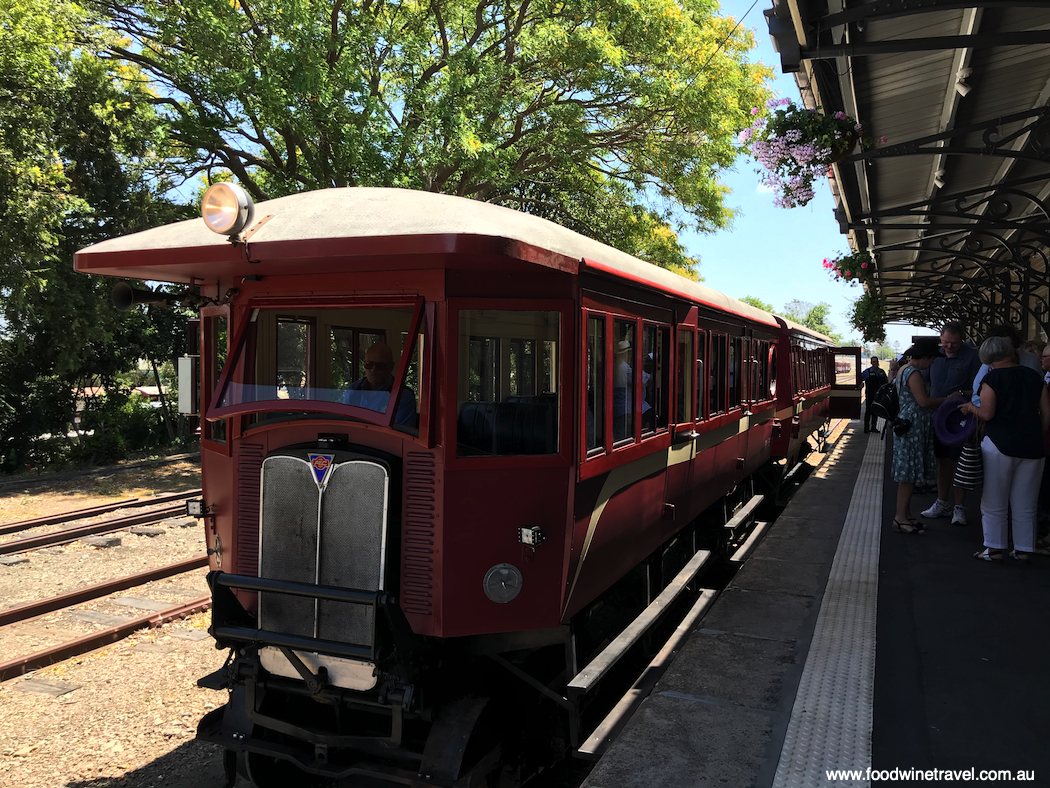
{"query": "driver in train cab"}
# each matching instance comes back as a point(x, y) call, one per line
point(379, 379)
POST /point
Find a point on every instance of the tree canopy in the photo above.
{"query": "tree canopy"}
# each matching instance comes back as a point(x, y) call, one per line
point(611, 117)
point(78, 136)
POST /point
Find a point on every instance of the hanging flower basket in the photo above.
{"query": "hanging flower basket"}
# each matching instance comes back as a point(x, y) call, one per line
point(869, 317)
point(796, 146)
point(854, 268)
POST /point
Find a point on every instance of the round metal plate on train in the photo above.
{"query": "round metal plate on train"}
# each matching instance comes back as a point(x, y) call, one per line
point(503, 583)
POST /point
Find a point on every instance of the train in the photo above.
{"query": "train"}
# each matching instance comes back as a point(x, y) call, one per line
point(448, 450)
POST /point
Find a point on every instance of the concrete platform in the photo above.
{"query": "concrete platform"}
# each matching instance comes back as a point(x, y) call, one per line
point(785, 679)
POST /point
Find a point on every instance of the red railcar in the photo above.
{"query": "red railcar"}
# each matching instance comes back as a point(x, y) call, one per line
point(551, 414)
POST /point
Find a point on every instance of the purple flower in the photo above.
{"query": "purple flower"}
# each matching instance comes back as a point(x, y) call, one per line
point(755, 110)
point(858, 127)
point(883, 140)
point(840, 115)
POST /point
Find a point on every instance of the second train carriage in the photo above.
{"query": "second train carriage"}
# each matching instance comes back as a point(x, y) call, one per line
point(551, 413)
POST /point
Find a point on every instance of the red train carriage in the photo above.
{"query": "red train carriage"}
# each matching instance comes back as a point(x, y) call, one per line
point(438, 438)
point(805, 388)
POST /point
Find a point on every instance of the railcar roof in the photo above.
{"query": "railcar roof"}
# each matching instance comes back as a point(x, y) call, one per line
point(361, 212)
point(807, 331)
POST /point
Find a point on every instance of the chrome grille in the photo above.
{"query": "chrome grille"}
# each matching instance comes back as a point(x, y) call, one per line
point(353, 511)
point(335, 537)
point(288, 542)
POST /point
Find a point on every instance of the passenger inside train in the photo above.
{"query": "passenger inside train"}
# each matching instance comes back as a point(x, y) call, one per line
point(373, 390)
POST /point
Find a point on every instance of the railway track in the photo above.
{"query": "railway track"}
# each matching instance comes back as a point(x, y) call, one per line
point(66, 535)
point(93, 511)
point(21, 614)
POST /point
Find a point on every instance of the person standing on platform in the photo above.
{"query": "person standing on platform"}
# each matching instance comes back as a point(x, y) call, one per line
point(913, 458)
point(951, 375)
point(1015, 407)
point(1042, 542)
point(874, 378)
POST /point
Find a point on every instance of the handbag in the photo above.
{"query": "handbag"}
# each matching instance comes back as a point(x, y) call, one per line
point(969, 473)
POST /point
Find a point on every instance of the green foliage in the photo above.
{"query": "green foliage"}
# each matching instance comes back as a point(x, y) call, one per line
point(612, 117)
point(812, 316)
point(79, 144)
point(758, 303)
point(869, 317)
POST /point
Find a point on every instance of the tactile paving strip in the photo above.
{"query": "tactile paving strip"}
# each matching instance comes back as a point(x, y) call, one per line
point(830, 725)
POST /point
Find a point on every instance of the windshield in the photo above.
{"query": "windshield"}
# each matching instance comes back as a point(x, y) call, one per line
point(347, 356)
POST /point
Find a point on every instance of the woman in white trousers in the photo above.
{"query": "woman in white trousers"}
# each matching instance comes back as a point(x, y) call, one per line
point(1015, 407)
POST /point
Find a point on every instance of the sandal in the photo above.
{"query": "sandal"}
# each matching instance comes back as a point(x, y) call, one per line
point(907, 527)
point(989, 554)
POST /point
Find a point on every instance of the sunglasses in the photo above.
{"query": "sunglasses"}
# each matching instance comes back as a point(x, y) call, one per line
point(377, 364)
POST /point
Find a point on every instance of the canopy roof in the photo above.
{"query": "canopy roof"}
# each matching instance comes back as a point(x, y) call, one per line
point(954, 205)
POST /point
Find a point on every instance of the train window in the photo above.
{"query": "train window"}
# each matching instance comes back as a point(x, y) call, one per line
point(508, 374)
point(761, 366)
point(701, 375)
point(772, 371)
point(595, 384)
point(315, 354)
point(719, 358)
point(736, 376)
point(623, 381)
point(293, 357)
point(655, 378)
point(686, 373)
point(216, 344)
point(347, 350)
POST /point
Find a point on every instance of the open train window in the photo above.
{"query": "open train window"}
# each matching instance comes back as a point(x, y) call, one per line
point(719, 372)
point(701, 375)
point(623, 393)
point(656, 370)
point(508, 383)
point(736, 371)
point(595, 397)
point(349, 356)
point(686, 374)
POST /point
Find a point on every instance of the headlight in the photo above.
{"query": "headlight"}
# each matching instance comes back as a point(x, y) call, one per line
point(227, 209)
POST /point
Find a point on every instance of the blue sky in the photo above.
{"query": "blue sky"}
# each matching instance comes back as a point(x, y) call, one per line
point(771, 253)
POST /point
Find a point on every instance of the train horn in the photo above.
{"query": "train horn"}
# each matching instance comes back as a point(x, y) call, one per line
point(124, 296)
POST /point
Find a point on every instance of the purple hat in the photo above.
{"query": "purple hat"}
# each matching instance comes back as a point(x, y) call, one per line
point(953, 426)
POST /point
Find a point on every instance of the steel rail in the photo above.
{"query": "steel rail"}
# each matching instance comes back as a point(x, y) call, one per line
point(32, 609)
point(72, 648)
point(72, 534)
point(91, 511)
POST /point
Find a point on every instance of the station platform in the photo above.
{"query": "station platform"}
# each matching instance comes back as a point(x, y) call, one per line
point(844, 645)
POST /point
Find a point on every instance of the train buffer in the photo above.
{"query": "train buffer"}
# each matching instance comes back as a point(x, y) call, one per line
point(843, 645)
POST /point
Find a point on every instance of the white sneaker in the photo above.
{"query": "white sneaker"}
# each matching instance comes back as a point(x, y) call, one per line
point(939, 509)
point(959, 515)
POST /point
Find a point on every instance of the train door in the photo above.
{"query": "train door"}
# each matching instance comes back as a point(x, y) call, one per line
point(846, 385)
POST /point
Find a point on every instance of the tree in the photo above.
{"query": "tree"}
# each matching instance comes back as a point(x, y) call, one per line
point(78, 141)
point(608, 116)
point(758, 303)
point(812, 316)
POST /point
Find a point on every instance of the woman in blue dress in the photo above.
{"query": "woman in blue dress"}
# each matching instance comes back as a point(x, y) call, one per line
point(913, 459)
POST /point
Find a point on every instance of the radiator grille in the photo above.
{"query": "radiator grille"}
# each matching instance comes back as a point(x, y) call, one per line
point(353, 513)
point(336, 538)
point(249, 469)
point(417, 572)
point(290, 502)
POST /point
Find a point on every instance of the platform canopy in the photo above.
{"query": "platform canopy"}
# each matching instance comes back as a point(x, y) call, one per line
point(954, 205)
